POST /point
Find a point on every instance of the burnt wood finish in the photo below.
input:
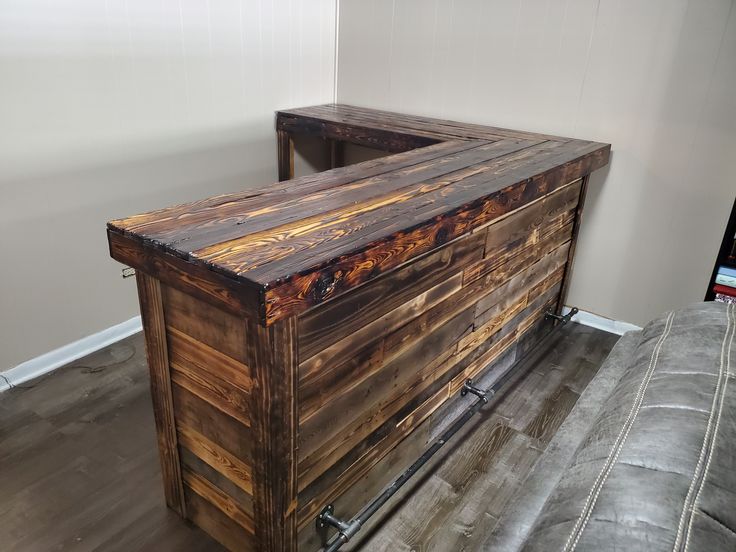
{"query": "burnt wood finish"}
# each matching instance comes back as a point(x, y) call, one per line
point(273, 354)
point(299, 243)
point(301, 334)
point(285, 155)
point(152, 313)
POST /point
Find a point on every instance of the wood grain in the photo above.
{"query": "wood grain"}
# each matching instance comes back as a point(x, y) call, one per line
point(211, 375)
point(285, 155)
point(219, 499)
point(272, 355)
point(303, 331)
point(575, 231)
point(227, 432)
point(152, 313)
point(319, 328)
point(218, 524)
point(301, 243)
point(219, 459)
point(211, 326)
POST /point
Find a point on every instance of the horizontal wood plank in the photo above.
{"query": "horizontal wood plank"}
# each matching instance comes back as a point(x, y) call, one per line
point(219, 499)
point(361, 459)
point(217, 427)
point(217, 524)
point(281, 250)
point(192, 463)
point(238, 472)
point(215, 288)
point(215, 378)
point(219, 330)
point(332, 321)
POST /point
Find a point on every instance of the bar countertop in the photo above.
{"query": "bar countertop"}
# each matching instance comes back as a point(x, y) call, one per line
point(275, 251)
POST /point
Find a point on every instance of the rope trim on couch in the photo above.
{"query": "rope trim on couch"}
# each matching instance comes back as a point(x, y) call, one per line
point(584, 517)
point(709, 440)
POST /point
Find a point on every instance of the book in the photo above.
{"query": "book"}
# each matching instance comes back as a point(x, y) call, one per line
point(724, 290)
point(725, 298)
point(727, 271)
point(724, 280)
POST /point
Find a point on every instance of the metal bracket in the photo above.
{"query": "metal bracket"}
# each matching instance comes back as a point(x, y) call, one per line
point(468, 387)
point(549, 315)
point(326, 519)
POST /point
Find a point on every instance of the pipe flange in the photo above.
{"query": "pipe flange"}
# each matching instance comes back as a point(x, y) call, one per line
point(326, 511)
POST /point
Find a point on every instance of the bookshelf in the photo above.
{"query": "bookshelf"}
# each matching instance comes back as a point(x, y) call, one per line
point(726, 257)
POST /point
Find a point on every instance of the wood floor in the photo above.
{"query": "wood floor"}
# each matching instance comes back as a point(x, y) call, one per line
point(79, 468)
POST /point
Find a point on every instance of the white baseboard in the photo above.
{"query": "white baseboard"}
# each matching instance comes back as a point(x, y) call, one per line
point(601, 322)
point(68, 353)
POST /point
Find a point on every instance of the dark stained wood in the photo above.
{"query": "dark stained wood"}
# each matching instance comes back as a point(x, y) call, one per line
point(365, 352)
point(197, 370)
point(211, 327)
point(165, 224)
point(217, 523)
point(337, 154)
point(299, 244)
point(195, 414)
point(368, 401)
point(152, 312)
point(235, 491)
point(285, 155)
point(381, 254)
point(387, 140)
point(575, 232)
point(420, 402)
point(311, 329)
point(324, 212)
point(272, 355)
point(533, 223)
point(322, 327)
point(189, 277)
point(219, 499)
point(219, 459)
point(376, 118)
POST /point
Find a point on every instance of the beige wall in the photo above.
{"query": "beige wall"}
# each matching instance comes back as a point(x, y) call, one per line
point(111, 108)
point(656, 78)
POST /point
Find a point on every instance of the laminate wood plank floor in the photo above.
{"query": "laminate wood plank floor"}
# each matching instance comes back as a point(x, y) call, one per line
point(79, 467)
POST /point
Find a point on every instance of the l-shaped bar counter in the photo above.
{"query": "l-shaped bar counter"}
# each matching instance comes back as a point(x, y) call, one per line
point(308, 338)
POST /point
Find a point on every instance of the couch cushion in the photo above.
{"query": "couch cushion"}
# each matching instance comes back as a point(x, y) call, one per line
point(656, 471)
point(526, 505)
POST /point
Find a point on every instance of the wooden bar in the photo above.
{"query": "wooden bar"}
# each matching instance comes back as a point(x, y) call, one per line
point(306, 340)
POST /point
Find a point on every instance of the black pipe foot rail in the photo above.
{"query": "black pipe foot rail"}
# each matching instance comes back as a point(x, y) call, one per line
point(346, 530)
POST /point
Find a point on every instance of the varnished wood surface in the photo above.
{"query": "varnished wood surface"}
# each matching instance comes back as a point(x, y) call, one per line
point(79, 466)
point(299, 243)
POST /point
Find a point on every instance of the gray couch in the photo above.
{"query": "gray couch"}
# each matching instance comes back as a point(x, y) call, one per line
point(647, 459)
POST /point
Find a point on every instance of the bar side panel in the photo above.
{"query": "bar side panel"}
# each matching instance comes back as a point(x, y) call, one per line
point(211, 389)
